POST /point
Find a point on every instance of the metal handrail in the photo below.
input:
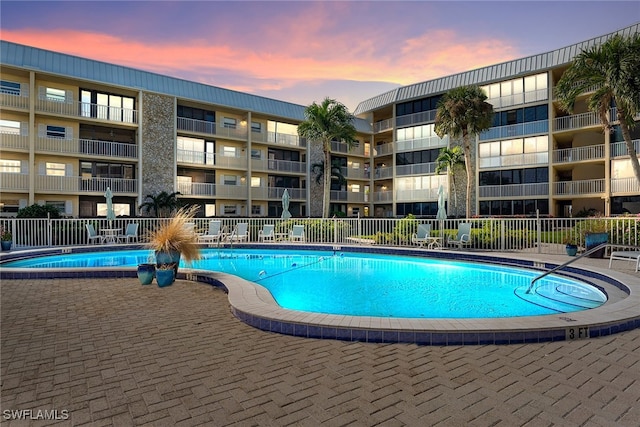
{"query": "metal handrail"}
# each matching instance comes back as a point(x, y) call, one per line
point(572, 260)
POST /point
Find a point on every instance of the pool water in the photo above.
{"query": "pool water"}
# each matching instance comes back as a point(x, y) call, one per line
point(358, 284)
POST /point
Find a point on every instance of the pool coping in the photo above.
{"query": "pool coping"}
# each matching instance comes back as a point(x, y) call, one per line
point(254, 305)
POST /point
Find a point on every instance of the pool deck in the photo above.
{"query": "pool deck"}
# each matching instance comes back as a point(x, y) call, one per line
point(109, 351)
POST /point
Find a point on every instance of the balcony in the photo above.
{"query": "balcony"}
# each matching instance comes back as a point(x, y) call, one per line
point(383, 149)
point(14, 181)
point(628, 186)
point(87, 147)
point(525, 159)
point(579, 154)
point(579, 188)
point(517, 130)
point(12, 141)
point(278, 166)
point(422, 143)
point(349, 197)
point(619, 149)
point(275, 193)
point(212, 190)
point(417, 169)
point(575, 121)
point(414, 195)
point(384, 196)
point(87, 110)
point(341, 147)
point(202, 158)
point(353, 173)
point(519, 98)
point(78, 184)
point(196, 126)
point(15, 101)
point(383, 172)
point(514, 190)
point(382, 125)
point(415, 118)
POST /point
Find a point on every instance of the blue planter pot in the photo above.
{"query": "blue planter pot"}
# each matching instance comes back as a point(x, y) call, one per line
point(171, 257)
point(591, 240)
point(146, 273)
point(572, 250)
point(165, 277)
point(6, 245)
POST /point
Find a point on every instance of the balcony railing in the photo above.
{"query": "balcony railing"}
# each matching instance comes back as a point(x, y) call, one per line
point(514, 160)
point(12, 141)
point(275, 193)
point(619, 149)
point(383, 149)
point(78, 184)
point(278, 165)
point(625, 185)
point(514, 190)
point(202, 158)
point(197, 126)
point(422, 143)
point(413, 195)
point(582, 187)
point(87, 110)
point(14, 181)
point(415, 118)
point(577, 154)
point(349, 197)
point(354, 173)
point(519, 98)
point(385, 196)
point(382, 125)
point(87, 147)
point(383, 172)
point(512, 131)
point(14, 101)
point(416, 169)
point(212, 190)
point(576, 121)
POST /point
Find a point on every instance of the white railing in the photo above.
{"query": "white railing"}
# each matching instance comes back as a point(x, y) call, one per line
point(576, 121)
point(577, 154)
point(619, 149)
point(278, 165)
point(382, 125)
point(512, 131)
point(212, 190)
point(87, 110)
point(514, 190)
point(422, 143)
point(197, 126)
point(625, 185)
point(87, 147)
point(14, 181)
point(14, 101)
point(524, 235)
point(78, 184)
point(285, 139)
point(586, 186)
point(514, 160)
point(11, 141)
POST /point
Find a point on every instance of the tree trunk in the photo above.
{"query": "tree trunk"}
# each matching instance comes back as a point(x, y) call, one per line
point(630, 149)
point(469, 170)
point(326, 179)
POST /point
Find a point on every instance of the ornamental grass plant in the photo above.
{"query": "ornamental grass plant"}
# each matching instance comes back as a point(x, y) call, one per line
point(176, 235)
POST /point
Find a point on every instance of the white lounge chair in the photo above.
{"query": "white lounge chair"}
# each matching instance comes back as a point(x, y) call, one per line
point(214, 233)
point(130, 233)
point(626, 256)
point(297, 234)
point(240, 233)
point(92, 236)
point(422, 237)
point(463, 238)
point(268, 233)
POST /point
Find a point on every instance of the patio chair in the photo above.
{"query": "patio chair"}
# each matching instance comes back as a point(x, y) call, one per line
point(130, 233)
point(297, 234)
point(422, 237)
point(463, 238)
point(214, 233)
point(625, 256)
point(240, 232)
point(267, 233)
point(92, 236)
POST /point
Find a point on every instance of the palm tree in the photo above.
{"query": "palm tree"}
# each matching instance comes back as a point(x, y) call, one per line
point(326, 122)
point(336, 172)
point(449, 159)
point(464, 112)
point(160, 205)
point(614, 68)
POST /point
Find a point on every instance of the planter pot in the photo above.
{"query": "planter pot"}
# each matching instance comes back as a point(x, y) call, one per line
point(6, 245)
point(594, 239)
point(146, 273)
point(572, 250)
point(165, 277)
point(171, 257)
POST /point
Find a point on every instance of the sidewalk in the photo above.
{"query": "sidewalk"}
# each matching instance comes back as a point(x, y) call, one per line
point(113, 352)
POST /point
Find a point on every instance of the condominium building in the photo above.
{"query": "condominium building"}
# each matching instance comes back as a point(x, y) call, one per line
point(72, 127)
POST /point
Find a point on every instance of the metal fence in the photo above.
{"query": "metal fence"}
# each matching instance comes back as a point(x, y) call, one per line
point(536, 235)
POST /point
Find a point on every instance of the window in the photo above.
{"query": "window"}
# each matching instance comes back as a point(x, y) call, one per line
point(256, 181)
point(230, 209)
point(10, 88)
point(55, 169)
point(230, 180)
point(256, 154)
point(228, 151)
point(256, 210)
point(229, 123)
point(10, 166)
point(107, 106)
point(184, 184)
point(256, 127)
point(53, 94)
point(209, 210)
point(355, 188)
point(11, 127)
point(56, 132)
point(120, 209)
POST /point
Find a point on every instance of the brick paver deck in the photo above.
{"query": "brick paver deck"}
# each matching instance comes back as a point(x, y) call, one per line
point(113, 352)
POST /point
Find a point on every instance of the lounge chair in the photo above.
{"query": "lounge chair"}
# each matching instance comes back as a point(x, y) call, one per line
point(422, 236)
point(463, 238)
point(240, 232)
point(92, 236)
point(267, 233)
point(626, 256)
point(297, 234)
point(130, 233)
point(214, 233)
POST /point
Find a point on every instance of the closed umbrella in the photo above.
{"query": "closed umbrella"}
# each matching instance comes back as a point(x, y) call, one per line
point(285, 205)
point(111, 215)
point(442, 210)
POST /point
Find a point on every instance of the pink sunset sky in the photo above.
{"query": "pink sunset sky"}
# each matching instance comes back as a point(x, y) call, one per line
point(303, 51)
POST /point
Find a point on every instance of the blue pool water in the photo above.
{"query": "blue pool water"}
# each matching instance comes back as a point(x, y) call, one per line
point(360, 284)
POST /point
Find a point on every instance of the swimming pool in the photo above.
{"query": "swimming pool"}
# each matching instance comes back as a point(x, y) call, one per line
point(379, 285)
